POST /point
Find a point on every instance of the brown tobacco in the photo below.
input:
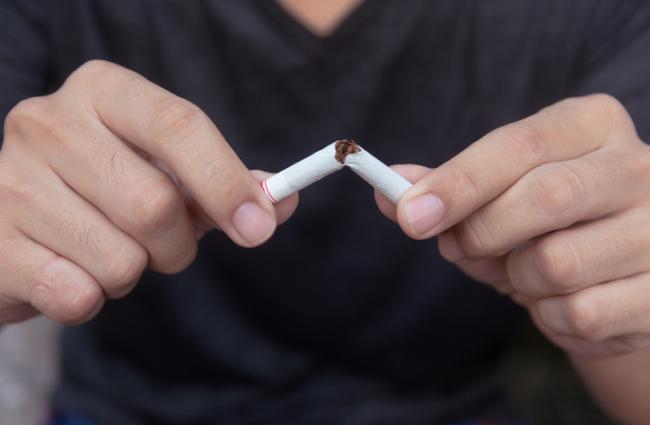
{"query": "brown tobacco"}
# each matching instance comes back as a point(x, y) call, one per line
point(344, 148)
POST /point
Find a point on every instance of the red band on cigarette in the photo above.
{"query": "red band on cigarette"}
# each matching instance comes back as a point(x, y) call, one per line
point(266, 190)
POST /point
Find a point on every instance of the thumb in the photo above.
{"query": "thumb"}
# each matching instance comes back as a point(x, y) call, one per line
point(286, 207)
point(203, 223)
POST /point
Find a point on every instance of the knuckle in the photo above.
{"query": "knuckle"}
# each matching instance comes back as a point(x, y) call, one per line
point(224, 180)
point(93, 70)
point(583, 317)
point(94, 80)
point(81, 231)
point(527, 143)
point(154, 206)
point(556, 263)
point(558, 191)
point(469, 184)
point(80, 308)
point(28, 116)
point(176, 120)
point(476, 239)
point(15, 189)
point(600, 118)
point(124, 270)
point(604, 105)
point(606, 109)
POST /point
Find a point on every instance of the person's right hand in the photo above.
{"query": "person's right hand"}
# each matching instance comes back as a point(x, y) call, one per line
point(84, 210)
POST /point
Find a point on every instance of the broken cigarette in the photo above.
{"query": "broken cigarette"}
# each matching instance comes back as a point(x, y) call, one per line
point(329, 160)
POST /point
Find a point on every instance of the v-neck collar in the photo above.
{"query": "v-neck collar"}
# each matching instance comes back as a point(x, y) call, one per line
point(299, 34)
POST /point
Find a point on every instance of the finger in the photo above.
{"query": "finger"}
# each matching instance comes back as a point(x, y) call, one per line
point(12, 312)
point(569, 260)
point(487, 168)
point(286, 207)
point(601, 312)
point(180, 135)
point(203, 223)
point(551, 197)
point(33, 275)
point(491, 271)
point(67, 225)
point(136, 196)
point(410, 172)
point(587, 348)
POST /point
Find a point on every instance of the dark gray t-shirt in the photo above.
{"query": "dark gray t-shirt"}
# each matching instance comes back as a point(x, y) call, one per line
point(340, 318)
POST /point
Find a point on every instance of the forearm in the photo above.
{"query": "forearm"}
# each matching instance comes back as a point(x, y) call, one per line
point(621, 385)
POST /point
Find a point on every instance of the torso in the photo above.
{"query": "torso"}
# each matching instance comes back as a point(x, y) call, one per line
point(340, 305)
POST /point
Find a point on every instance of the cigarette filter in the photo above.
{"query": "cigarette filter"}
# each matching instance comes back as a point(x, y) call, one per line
point(301, 174)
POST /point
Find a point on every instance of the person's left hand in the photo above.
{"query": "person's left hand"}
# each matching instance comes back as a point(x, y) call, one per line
point(553, 210)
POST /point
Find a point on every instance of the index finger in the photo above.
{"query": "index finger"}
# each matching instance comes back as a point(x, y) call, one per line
point(181, 135)
point(451, 192)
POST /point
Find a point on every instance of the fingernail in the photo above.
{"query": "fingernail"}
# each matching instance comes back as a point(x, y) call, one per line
point(552, 313)
point(424, 213)
point(449, 248)
point(253, 223)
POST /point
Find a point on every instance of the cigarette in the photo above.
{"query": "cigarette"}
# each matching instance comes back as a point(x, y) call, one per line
point(329, 160)
point(378, 175)
point(301, 174)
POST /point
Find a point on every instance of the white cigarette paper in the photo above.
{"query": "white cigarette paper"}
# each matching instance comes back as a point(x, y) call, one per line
point(330, 159)
point(301, 174)
point(378, 175)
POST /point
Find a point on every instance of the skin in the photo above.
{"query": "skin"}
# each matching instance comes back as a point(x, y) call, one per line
point(320, 17)
point(110, 175)
point(553, 211)
point(548, 210)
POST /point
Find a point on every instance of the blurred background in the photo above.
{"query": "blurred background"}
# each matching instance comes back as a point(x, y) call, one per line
point(28, 371)
point(541, 381)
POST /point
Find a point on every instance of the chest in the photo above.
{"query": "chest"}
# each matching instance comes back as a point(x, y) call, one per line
point(414, 81)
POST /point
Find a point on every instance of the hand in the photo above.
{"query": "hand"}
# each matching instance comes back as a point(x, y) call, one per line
point(84, 208)
point(553, 210)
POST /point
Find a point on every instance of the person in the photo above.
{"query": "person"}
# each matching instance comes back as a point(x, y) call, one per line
point(130, 132)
